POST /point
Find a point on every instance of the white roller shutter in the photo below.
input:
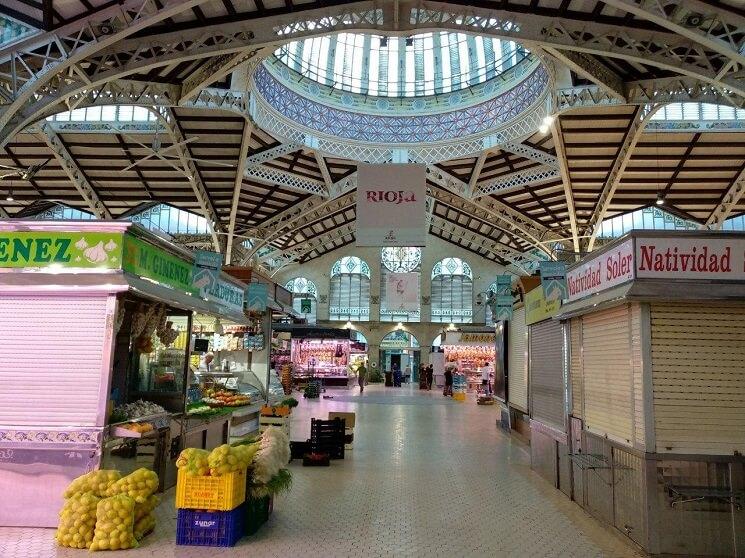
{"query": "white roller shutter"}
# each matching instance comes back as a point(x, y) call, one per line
point(547, 389)
point(517, 379)
point(607, 372)
point(698, 372)
point(51, 367)
point(575, 366)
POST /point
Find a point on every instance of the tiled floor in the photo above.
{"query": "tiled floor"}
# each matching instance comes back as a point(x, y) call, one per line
point(426, 477)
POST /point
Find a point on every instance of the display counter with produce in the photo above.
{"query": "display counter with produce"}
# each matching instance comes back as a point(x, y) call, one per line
point(472, 353)
point(105, 308)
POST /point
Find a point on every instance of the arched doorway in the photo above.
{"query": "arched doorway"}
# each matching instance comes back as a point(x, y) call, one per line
point(402, 348)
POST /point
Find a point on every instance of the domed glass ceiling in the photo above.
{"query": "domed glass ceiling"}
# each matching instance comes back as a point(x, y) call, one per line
point(422, 65)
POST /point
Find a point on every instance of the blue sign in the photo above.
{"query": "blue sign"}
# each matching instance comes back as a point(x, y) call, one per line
point(554, 281)
point(504, 285)
point(504, 308)
point(257, 295)
point(207, 266)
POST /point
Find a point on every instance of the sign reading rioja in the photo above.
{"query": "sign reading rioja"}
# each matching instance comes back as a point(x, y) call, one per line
point(391, 205)
point(609, 269)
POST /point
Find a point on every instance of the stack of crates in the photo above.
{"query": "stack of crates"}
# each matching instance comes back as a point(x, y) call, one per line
point(327, 436)
point(459, 387)
point(211, 510)
point(348, 419)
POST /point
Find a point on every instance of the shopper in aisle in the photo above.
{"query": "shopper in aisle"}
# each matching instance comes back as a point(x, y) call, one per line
point(430, 376)
point(485, 377)
point(362, 376)
point(448, 382)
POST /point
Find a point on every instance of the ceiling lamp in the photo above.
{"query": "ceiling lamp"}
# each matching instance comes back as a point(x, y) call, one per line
point(9, 197)
point(660, 199)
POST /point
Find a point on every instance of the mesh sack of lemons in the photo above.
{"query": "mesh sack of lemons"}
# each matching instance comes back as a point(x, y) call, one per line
point(147, 507)
point(77, 521)
point(114, 524)
point(138, 485)
point(194, 462)
point(96, 482)
point(227, 459)
point(144, 525)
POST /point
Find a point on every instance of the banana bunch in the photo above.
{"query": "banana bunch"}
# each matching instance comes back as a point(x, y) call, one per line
point(77, 521)
point(194, 461)
point(97, 482)
point(138, 485)
point(114, 524)
point(227, 459)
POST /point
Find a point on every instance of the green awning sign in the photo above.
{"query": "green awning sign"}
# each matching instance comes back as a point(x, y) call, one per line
point(61, 249)
point(146, 260)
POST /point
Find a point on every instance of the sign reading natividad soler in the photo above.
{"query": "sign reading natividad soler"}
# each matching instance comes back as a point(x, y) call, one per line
point(668, 257)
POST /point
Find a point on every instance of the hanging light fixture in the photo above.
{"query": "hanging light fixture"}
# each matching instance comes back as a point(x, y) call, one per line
point(660, 199)
point(9, 197)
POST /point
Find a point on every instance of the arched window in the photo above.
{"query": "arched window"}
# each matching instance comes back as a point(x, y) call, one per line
point(452, 291)
point(398, 260)
point(349, 290)
point(304, 294)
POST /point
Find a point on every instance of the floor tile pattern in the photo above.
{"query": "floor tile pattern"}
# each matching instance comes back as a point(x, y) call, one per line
point(435, 479)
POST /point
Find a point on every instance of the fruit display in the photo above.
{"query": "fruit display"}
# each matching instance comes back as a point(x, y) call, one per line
point(194, 462)
point(139, 427)
point(114, 524)
point(225, 398)
point(77, 521)
point(138, 485)
point(95, 482)
point(147, 507)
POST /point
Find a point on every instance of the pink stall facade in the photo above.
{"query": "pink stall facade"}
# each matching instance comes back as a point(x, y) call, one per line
point(61, 288)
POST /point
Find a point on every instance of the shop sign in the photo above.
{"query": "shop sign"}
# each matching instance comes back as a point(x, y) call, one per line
point(146, 260)
point(554, 280)
point(503, 308)
point(609, 269)
point(207, 266)
point(90, 250)
point(504, 285)
point(690, 258)
point(391, 208)
point(226, 294)
point(537, 308)
point(257, 295)
point(395, 344)
point(306, 306)
point(469, 338)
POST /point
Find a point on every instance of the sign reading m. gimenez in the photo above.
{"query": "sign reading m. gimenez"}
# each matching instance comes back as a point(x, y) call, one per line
point(391, 208)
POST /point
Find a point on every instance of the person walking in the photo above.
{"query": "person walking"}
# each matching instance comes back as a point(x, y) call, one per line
point(362, 376)
point(485, 378)
point(448, 382)
point(430, 376)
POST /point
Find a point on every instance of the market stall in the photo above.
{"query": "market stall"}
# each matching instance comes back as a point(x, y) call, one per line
point(656, 381)
point(472, 352)
point(321, 354)
point(106, 310)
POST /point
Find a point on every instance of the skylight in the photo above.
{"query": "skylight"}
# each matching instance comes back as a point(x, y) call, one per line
point(425, 64)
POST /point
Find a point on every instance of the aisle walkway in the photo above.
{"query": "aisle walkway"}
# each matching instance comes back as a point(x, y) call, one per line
point(426, 477)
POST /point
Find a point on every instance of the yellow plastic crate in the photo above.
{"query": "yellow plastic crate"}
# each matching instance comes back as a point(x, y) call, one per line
point(459, 396)
point(223, 493)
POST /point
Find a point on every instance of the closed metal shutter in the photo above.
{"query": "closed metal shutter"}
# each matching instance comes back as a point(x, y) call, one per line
point(698, 374)
point(575, 366)
point(638, 374)
point(607, 373)
point(51, 368)
point(517, 379)
point(547, 389)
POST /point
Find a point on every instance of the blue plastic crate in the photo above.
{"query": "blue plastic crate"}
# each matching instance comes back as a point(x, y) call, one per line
point(203, 528)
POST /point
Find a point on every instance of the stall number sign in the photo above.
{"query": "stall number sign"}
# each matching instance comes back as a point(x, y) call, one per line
point(61, 249)
point(598, 274)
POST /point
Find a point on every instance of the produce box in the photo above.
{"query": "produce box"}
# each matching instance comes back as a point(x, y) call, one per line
point(256, 513)
point(459, 396)
point(207, 528)
point(316, 460)
point(210, 493)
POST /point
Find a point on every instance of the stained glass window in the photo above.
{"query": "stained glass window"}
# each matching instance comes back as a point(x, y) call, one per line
point(399, 260)
point(349, 290)
point(452, 291)
point(304, 294)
